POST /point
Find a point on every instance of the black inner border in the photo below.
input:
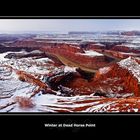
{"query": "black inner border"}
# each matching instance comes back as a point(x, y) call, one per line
point(70, 17)
point(85, 114)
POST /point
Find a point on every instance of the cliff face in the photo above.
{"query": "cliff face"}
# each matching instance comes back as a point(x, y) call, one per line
point(31, 43)
point(68, 54)
point(91, 46)
point(126, 48)
point(121, 78)
point(27, 43)
point(61, 48)
point(75, 56)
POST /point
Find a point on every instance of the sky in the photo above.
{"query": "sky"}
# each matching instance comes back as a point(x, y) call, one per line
point(65, 25)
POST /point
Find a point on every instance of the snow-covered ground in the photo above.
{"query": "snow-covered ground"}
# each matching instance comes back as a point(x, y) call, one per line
point(132, 66)
point(130, 45)
point(104, 70)
point(69, 69)
point(91, 53)
point(129, 53)
point(14, 88)
point(2, 55)
point(30, 65)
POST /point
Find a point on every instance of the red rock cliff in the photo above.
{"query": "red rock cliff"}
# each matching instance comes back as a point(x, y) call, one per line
point(119, 79)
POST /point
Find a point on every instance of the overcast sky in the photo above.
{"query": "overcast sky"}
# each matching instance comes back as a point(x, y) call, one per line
point(64, 25)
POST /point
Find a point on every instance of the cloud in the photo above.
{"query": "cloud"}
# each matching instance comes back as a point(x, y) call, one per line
point(68, 24)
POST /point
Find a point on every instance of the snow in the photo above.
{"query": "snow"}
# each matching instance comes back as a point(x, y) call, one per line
point(91, 53)
point(129, 53)
point(130, 45)
point(104, 70)
point(44, 60)
point(99, 44)
point(35, 51)
point(93, 37)
point(2, 55)
point(43, 102)
point(136, 40)
point(45, 99)
point(37, 70)
point(36, 66)
point(54, 101)
point(69, 69)
point(99, 107)
point(136, 109)
point(132, 66)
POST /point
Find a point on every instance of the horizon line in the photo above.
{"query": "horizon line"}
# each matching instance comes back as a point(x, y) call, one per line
point(70, 31)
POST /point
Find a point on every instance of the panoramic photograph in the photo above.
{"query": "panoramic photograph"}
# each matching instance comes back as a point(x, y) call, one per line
point(70, 65)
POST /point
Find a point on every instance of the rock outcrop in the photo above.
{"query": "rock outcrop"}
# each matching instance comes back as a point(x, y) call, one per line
point(92, 46)
point(120, 78)
point(126, 48)
point(72, 56)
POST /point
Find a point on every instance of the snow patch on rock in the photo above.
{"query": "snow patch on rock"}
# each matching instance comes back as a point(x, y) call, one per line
point(104, 70)
point(132, 66)
point(69, 69)
point(91, 53)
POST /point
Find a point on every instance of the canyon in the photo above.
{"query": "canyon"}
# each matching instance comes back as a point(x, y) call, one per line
point(65, 74)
